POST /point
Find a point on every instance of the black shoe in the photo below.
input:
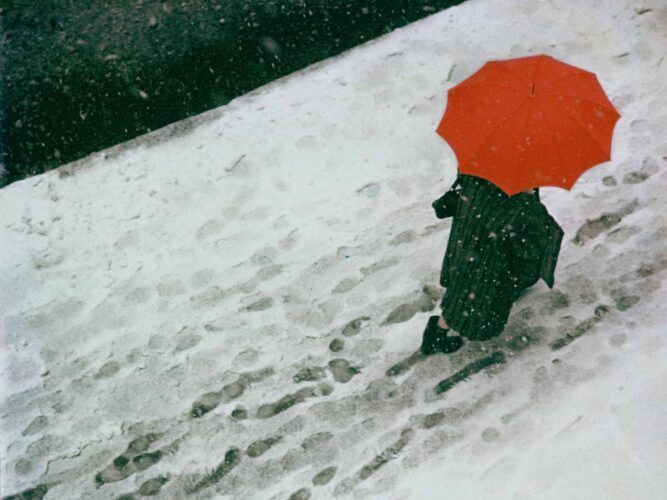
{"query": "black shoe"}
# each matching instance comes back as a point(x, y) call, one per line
point(435, 339)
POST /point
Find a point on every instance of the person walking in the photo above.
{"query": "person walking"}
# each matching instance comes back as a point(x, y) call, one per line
point(514, 125)
point(498, 246)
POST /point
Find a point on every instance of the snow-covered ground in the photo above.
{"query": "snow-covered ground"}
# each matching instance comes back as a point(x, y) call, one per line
point(214, 309)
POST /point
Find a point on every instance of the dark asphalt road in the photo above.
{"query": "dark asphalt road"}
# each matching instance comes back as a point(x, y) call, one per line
point(78, 76)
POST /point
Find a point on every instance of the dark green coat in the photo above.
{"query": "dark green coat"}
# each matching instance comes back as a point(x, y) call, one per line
point(498, 246)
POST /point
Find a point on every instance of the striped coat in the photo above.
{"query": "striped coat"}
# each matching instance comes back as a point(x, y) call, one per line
point(498, 246)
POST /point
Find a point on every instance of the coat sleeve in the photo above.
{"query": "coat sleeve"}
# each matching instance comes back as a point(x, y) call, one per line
point(445, 206)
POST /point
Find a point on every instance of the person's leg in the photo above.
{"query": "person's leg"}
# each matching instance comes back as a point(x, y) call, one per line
point(443, 324)
point(436, 338)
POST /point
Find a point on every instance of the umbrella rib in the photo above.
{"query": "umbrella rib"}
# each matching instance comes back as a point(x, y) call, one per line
point(537, 70)
point(577, 73)
point(553, 141)
point(525, 129)
point(582, 98)
point(569, 115)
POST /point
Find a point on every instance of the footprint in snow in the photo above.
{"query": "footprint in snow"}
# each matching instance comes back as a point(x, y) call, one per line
point(342, 370)
point(354, 327)
point(404, 237)
point(336, 345)
point(152, 486)
point(405, 312)
point(309, 374)
point(259, 447)
point(269, 410)
point(210, 400)
point(592, 228)
point(135, 459)
point(301, 494)
point(324, 476)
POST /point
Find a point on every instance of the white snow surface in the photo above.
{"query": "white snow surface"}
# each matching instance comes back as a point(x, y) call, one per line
point(212, 260)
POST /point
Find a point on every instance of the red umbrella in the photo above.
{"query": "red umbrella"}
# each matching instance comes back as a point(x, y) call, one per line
point(529, 122)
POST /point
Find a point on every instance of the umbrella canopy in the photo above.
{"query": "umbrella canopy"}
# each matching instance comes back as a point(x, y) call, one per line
point(529, 122)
